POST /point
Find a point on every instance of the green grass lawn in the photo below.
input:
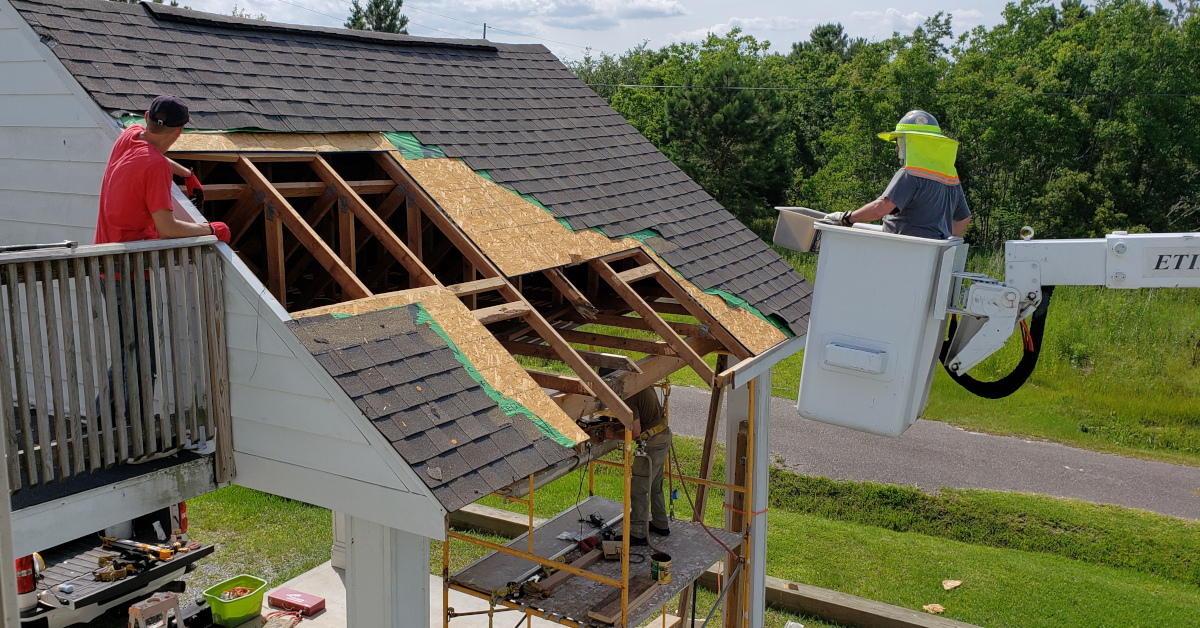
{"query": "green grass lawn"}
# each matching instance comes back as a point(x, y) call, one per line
point(1025, 560)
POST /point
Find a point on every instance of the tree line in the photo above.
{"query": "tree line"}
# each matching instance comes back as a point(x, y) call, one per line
point(1075, 120)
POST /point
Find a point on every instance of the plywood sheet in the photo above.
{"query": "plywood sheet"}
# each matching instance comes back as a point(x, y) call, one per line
point(493, 362)
point(259, 142)
point(521, 238)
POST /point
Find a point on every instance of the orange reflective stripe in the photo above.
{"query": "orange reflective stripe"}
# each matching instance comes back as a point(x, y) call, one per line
point(930, 174)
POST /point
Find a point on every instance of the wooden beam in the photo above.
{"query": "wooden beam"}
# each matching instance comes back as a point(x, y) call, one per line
point(455, 234)
point(572, 385)
point(278, 156)
point(639, 272)
point(653, 347)
point(627, 383)
point(516, 331)
point(601, 360)
point(571, 358)
point(477, 286)
point(570, 292)
point(371, 222)
point(633, 322)
point(297, 189)
point(351, 286)
point(694, 308)
point(417, 197)
point(502, 312)
point(243, 213)
point(660, 326)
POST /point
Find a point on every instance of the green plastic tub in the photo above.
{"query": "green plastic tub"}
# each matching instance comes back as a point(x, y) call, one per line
point(234, 613)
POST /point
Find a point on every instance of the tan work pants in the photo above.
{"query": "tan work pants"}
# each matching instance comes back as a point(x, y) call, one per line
point(646, 490)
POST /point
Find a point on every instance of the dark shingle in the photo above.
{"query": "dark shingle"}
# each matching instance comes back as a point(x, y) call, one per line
point(513, 110)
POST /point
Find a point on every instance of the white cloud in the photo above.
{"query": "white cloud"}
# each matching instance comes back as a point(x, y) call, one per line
point(571, 14)
point(893, 20)
point(966, 19)
point(751, 25)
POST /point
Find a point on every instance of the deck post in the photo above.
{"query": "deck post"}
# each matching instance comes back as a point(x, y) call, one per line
point(751, 403)
point(337, 553)
point(387, 576)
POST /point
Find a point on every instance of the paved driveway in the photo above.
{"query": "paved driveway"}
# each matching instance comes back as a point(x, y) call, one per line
point(933, 454)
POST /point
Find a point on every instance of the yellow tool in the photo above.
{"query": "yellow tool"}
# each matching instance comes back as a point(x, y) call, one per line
point(153, 551)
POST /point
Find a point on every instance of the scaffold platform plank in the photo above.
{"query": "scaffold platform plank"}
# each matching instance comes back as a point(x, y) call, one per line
point(692, 552)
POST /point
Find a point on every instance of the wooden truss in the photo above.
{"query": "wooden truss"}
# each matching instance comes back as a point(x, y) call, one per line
point(530, 332)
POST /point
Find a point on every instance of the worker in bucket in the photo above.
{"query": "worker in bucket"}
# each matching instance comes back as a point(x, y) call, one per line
point(647, 508)
point(924, 198)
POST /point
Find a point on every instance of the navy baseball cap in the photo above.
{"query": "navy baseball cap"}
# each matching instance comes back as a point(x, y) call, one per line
point(169, 110)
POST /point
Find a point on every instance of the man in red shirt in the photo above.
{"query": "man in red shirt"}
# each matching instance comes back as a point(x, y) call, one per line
point(135, 196)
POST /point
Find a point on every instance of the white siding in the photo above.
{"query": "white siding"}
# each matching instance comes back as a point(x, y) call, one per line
point(54, 143)
point(295, 431)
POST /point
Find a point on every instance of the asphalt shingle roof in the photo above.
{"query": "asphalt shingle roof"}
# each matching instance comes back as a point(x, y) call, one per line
point(406, 381)
point(513, 110)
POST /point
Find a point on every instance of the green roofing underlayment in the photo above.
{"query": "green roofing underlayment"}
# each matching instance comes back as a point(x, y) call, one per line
point(510, 407)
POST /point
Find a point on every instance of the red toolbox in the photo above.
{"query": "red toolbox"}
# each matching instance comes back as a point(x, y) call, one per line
point(290, 600)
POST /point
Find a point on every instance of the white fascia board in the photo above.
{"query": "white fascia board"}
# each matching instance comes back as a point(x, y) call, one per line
point(746, 370)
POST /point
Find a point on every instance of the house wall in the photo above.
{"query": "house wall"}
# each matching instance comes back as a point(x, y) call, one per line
point(297, 434)
point(54, 142)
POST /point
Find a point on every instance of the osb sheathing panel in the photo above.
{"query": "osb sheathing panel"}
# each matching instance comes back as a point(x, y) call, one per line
point(259, 142)
point(521, 238)
point(497, 367)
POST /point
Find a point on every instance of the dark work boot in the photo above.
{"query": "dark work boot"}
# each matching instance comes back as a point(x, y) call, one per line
point(660, 531)
point(636, 541)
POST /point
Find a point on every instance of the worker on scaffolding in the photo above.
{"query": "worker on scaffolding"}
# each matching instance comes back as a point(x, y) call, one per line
point(647, 508)
point(924, 198)
point(135, 204)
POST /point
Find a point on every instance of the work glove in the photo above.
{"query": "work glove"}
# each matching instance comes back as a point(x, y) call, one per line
point(221, 230)
point(838, 218)
point(194, 190)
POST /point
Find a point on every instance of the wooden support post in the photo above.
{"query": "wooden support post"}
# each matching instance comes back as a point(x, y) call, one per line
point(733, 612)
point(571, 293)
point(276, 271)
point(707, 453)
point(415, 236)
point(346, 241)
point(470, 300)
point(352, 288)
point(660, 326)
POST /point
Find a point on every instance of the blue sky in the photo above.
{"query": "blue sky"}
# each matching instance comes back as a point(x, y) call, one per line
point(567, 27)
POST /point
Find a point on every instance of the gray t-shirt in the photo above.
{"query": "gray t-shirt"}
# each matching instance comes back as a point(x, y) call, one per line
point(924, 208)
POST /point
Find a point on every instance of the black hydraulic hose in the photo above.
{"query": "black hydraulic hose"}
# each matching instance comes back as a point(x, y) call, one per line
point(1008, 384)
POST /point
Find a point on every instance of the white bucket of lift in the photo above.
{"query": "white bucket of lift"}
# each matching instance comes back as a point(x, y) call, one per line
point(796, 228)
point(877, 323)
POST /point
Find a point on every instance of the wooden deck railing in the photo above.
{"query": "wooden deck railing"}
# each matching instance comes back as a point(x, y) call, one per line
point(111, 354)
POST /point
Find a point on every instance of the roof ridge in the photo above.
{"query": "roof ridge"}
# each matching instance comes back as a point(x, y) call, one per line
point(167, 13)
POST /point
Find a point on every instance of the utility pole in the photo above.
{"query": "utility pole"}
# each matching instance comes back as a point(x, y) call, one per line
point(485, 30)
